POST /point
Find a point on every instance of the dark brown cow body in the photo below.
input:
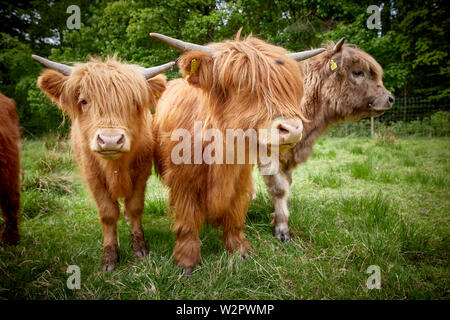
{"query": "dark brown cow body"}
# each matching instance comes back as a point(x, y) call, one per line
point(9, 170)
point(343, 83)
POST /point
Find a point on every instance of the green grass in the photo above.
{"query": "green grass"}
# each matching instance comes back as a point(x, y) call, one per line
point(355, 203)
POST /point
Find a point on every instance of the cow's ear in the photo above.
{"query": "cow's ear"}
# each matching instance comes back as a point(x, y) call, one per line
point(52, 82)
point(197, 67)
point(157, 85)
point(335, 64)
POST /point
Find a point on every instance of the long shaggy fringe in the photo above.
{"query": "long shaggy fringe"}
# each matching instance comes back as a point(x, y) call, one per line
point(250, 83)
point(107, 85)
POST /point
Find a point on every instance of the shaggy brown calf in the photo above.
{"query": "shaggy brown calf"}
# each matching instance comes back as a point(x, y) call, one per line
point(108, 104)
point(9, 170)
point(343, 83)
point(240, 84)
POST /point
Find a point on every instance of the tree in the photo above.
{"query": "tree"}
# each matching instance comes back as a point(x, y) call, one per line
point(412, 45)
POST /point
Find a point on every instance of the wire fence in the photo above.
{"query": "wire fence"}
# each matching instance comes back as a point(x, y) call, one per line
point(413, 116)
point(414, 108)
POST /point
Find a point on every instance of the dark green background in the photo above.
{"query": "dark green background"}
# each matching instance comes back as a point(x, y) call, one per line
point(412, 45)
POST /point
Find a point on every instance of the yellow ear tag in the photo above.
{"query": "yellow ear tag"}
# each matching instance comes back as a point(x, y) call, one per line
point(194, 65)
point(333, 65)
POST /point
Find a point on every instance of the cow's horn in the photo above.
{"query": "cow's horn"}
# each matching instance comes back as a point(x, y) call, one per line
point(65, 70)
point(182, 45)
point(305, 54)
point(338, 45)
point(153, 71)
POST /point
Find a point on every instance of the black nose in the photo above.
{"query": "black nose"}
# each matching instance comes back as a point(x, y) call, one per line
point(391, 100)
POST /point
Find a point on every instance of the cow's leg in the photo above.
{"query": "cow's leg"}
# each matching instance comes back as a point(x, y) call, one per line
point(109, 218)
point(279, 185)
point(10, 205)
point(109, 213)
point(233, 226)
point(134, 207)
point(189, 220)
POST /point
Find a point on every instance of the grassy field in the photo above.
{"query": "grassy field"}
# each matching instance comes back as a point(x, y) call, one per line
point(357, 202)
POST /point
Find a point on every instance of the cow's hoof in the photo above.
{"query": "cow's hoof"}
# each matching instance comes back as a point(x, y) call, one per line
point(110, 258)
point(187, 272)
point(9, 240)
point(108, 267)
point(139, 246)
point(8, 236)
point(282, 233)
point(141, 253)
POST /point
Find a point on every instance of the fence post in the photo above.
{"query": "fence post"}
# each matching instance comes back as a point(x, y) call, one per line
point(372, 133)
point(404, 103)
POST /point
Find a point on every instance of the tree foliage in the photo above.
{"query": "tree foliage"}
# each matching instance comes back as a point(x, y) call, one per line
point(412, 45)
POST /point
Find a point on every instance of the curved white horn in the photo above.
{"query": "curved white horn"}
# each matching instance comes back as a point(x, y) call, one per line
point(182, 45)
point(338, 45)
point(64, 69)
point(153, 71)
point(305, 54)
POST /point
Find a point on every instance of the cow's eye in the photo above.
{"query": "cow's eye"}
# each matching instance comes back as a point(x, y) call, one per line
point(358, 73)
point(83, 104)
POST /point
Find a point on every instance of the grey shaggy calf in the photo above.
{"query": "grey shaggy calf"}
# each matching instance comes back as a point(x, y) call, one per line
point(343, 83)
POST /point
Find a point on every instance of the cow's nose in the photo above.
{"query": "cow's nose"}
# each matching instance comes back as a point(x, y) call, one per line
point(290, 131)
point(391, 100)
point(110, 142)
